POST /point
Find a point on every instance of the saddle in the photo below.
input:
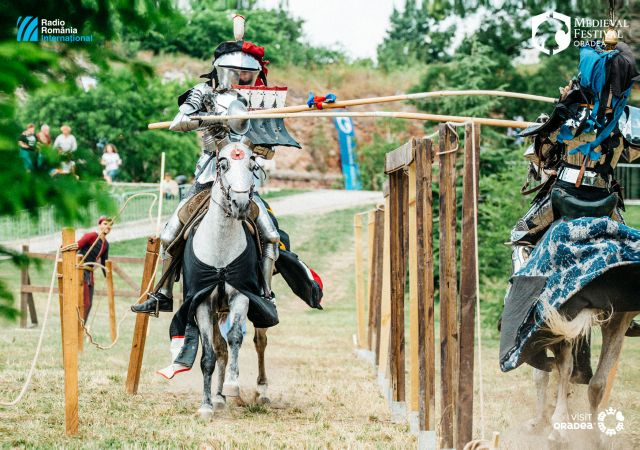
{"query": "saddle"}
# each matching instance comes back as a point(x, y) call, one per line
point(571, 207)
point(192, 212)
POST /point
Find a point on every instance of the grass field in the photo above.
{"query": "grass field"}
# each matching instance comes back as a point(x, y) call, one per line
point(322, 396)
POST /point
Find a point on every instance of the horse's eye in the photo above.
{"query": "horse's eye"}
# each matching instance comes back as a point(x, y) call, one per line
point(224, 164)
point(253, 166)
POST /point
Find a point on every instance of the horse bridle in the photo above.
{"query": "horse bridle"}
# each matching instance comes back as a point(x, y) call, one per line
point(226, 191)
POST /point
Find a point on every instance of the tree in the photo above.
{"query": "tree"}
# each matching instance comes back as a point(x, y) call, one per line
point(28, 66)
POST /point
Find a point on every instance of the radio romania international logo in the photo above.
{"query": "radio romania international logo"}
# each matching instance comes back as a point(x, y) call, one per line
point(27, 29)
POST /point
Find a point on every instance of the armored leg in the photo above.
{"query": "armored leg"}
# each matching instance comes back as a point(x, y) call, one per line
point(270, 239)
point(162, 299)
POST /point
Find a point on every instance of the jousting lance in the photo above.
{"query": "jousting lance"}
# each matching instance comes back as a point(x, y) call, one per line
point(302, 111)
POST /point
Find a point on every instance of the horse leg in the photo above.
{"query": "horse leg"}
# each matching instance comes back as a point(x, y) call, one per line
point(612, 337)
point(222, 355)
point(541, 381)
point(208, 359)
point(239, 306)
point(260, 341)
point(564, 364)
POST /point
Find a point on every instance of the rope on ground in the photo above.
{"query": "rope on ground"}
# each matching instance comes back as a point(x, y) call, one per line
point(25, 386)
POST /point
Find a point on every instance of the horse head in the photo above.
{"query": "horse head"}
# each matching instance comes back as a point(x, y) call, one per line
point(235, 169)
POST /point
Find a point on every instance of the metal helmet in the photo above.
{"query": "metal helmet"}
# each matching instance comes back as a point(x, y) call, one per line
point(236, 68)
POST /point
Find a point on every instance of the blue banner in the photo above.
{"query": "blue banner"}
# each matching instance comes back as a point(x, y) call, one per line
point(348, 159)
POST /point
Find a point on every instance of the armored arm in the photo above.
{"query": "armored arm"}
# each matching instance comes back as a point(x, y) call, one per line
point(191, 102)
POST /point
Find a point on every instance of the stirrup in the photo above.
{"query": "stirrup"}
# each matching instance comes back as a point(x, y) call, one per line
point(156, 303)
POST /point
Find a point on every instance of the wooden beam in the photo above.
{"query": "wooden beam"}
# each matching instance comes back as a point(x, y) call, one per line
point(142, 320)
point(360, 309)
point(468, 283)
point(385, 298)
point(398, 197)
point(371, 223)
point(448, 281)
point(124, 275)
point(115, 259)
point(27, 307)
point(79, 280)
point(111, 301)
point(70, 332)
point(414, 370)
point(399, 158)
point(376, 289)
point(425, 285)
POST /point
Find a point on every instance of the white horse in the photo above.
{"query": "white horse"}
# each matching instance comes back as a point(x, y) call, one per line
point(219, 241)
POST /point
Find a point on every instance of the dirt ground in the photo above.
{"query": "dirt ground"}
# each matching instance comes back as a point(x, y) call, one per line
point(322, 395)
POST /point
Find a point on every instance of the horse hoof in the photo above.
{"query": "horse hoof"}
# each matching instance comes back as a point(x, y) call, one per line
point(205, 412)
point(219, 403)
point(263, 400)
point(231, 389)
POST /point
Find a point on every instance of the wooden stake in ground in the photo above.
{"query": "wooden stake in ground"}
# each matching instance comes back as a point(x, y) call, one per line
point(425, 285)
point(79, 295)
point(468, 282)
point(111, 301)
point(375, 285)
point(142, 320)
point(27, 305)
point(385, 300)
point(448, 283)
point(70, 330)
point(360, 310)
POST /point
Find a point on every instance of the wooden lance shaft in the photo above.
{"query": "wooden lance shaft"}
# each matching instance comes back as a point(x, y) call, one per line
point(390, 114)
point(389, 99)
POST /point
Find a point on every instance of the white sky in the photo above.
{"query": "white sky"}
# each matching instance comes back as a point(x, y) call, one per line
point(358, 26)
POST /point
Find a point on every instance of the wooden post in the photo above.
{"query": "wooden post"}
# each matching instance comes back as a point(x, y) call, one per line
point(448, 281)
point(27, 306)
point(398, 196)
point(468, 283)
point(414, 371)
point(425, 285)
point(61, 296)
point(376, 293)
point(80, 301)
point(70, 332)
point(111, 301)
point(385, 299)
point(360, 310)
point(371, 244)
point(142, 320)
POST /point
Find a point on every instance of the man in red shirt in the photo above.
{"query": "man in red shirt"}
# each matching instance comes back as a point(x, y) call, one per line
point(95, 246)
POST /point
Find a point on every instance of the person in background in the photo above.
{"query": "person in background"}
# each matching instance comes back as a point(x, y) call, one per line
point(44, 135)
point(65, 142)
point(95, 246)
point(111, 162)
point(170, 187)
point(28, 151)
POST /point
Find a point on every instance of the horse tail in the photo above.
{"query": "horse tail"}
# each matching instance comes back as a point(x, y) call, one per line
point(570, 329)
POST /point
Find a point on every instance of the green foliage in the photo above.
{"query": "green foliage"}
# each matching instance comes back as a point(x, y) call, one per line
point(371, 155)
point(30, 66)
point(415, 36)
point(209, 24)
point(120, 102)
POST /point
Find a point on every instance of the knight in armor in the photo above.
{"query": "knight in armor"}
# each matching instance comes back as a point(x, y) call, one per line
point(574, 152)
point(237, 64)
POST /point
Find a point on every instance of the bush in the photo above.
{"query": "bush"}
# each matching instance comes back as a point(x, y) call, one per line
point(118, 110)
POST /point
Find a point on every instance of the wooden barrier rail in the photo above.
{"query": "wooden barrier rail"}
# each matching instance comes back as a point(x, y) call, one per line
point(113, 265)
point(401, 237)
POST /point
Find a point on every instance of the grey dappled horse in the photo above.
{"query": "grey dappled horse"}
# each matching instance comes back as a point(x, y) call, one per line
point(614, 285)
point(219, 239)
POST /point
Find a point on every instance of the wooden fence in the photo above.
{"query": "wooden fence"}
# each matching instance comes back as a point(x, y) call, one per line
point(400, 236)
